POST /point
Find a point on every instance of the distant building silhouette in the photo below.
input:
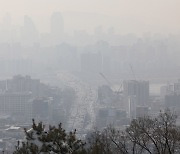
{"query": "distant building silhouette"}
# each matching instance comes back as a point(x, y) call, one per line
point(57, 27)
point(6, 29)
point(29, 32)
point(7, 22)
point(25, 98)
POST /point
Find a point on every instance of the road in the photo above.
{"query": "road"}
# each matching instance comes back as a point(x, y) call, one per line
point(84, 105)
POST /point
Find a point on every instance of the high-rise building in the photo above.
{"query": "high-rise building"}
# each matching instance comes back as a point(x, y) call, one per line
point(24, 98)
point(20, 84)
point(57, 25)
point(140, 89)
point(16, 104)
point(29, 32)
point(6, 32)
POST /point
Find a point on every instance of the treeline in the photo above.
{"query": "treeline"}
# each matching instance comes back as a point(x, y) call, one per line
point(145, 135)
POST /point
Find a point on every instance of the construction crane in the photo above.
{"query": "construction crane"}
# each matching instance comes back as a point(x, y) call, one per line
point(109, 83)
point(120, 89)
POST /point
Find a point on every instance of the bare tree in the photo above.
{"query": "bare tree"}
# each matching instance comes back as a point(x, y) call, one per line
point(155, 135)
point(145, 135)
point(108, 141)
point(158, 135)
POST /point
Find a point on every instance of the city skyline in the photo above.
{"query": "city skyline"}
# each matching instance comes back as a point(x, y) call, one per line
point(125, 16)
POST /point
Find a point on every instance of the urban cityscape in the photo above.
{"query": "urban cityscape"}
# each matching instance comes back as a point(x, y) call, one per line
point(84, 80)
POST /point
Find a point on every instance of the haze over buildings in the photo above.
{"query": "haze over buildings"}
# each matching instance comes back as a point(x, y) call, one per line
point(156, 16)
point(87, 63)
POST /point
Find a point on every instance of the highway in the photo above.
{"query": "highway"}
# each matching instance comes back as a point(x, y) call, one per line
point(84, 105)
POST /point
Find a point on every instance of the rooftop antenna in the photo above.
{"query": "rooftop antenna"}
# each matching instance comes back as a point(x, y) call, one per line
point(132, 71)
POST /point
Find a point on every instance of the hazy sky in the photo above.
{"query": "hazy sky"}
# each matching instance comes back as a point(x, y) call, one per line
point(126, 16)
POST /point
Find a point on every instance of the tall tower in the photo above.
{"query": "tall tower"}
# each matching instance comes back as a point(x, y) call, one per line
point(57, 24)
point(6, 29)
point(140, 89)
point(7, 22)
point(29, 31)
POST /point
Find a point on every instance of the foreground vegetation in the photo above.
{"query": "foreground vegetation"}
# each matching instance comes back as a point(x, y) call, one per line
point(158, 135)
